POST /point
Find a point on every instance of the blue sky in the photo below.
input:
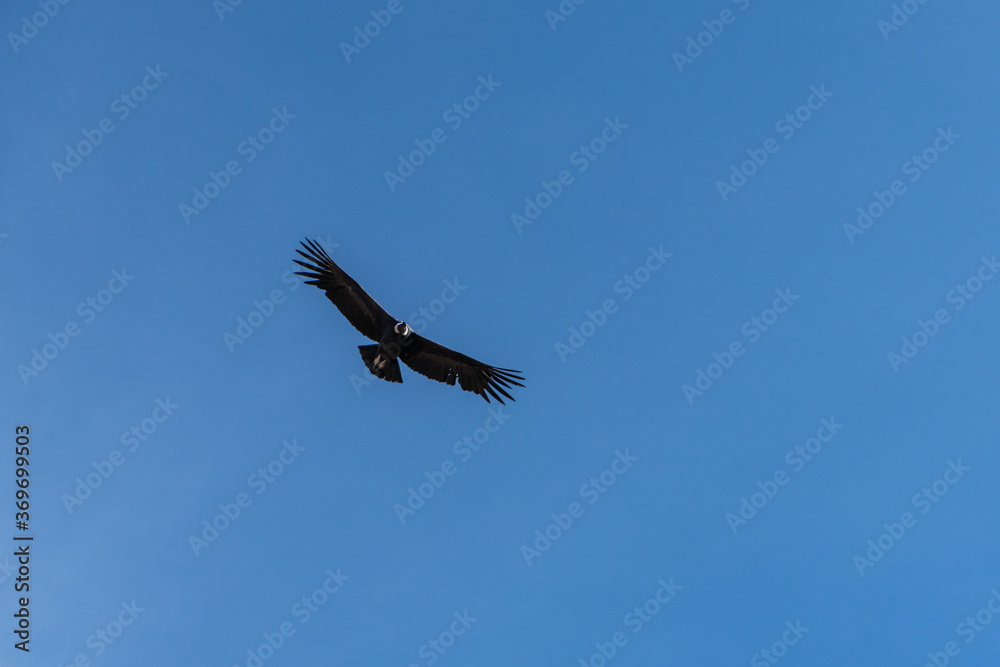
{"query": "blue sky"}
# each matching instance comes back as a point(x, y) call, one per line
point(742, 251)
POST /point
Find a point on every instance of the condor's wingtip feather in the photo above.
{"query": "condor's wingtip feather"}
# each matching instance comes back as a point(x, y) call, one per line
point(318, 251)
point(492, 393)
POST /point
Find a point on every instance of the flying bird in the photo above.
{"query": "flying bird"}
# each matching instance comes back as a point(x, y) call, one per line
point(395, 341)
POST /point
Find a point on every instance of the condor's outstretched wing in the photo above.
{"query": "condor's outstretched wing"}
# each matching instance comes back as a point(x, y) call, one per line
point(360, 309)
point(439, 363)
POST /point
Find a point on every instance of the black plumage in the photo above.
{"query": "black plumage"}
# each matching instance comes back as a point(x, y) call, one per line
point(395, 341)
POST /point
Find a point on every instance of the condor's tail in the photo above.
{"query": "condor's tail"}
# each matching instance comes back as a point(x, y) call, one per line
point(379, 364)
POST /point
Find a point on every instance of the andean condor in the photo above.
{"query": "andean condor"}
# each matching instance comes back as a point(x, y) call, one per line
point(395, 340)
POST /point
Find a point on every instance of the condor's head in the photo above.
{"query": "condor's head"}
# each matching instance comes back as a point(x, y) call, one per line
point(402, 329)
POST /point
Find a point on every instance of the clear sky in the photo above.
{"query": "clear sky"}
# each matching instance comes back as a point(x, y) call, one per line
point(742, 251)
